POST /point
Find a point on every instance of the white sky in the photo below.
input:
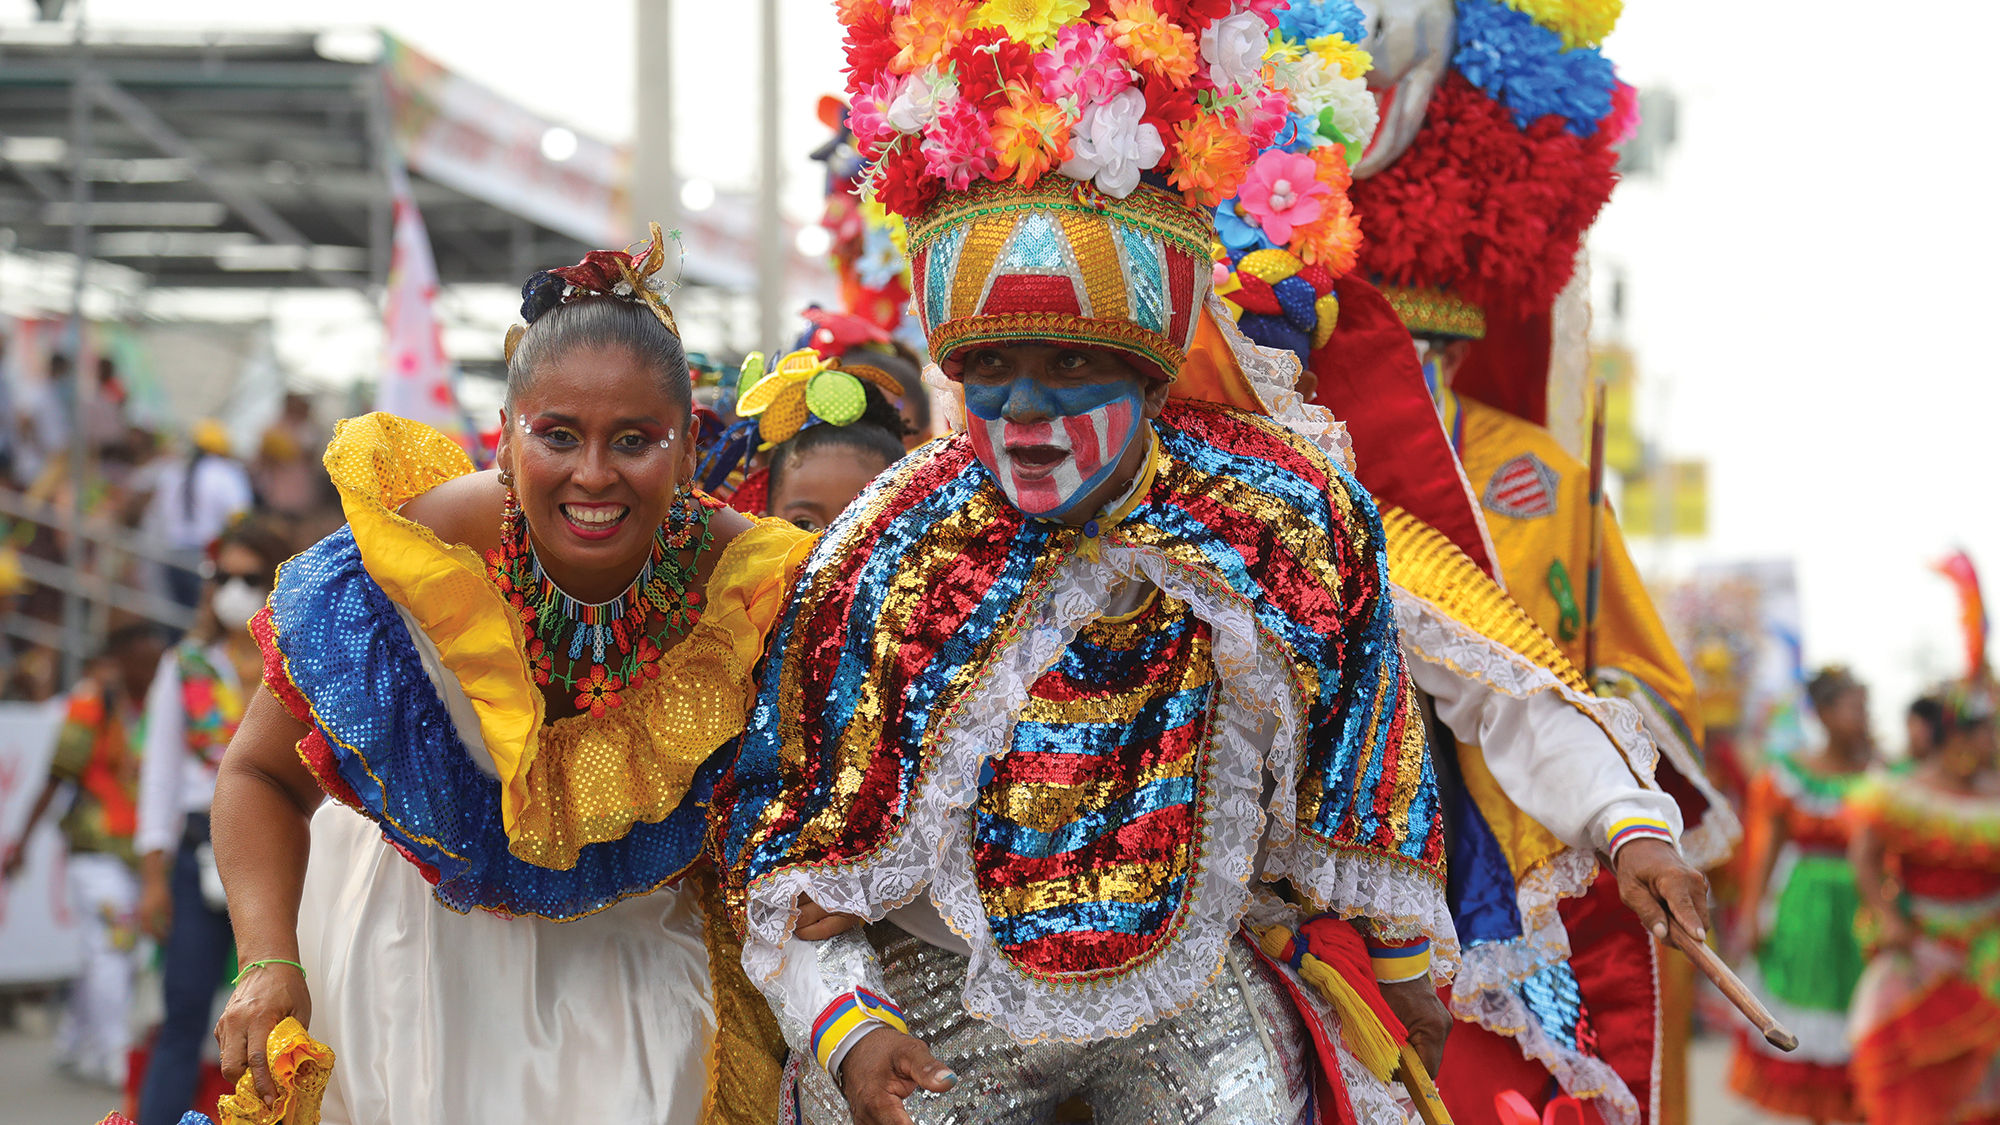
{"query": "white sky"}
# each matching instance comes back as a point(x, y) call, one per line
point(1804, 282)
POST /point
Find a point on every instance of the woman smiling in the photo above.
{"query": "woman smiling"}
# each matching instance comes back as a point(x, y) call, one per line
point(522, 682)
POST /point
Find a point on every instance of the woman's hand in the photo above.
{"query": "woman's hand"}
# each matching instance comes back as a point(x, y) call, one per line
point(816, 924)
point(885, 1067)
point(264, 997)
point(156, 905)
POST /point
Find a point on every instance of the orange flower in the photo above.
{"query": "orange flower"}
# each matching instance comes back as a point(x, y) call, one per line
point(599, 693)
point(926, 32)
point(1030, 136)
point(1210, 159)
point(1154, 43)
point(1334, 239)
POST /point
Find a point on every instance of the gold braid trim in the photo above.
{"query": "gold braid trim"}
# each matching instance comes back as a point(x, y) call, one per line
point(1426, 563)
point(746, 1062)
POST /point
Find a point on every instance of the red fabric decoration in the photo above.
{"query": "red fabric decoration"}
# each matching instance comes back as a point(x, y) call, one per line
point(1337, 942)
point(1370, 378)
point(1480, 207)
point(1509, 369)
point(1614, 959)
point(836, 333)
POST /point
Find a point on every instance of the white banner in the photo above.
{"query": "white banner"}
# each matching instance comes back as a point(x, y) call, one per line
point(39, 939)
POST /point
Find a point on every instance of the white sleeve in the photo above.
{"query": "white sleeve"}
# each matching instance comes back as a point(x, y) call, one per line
point(816, 979)
point(164, 756)
point(1549, 758)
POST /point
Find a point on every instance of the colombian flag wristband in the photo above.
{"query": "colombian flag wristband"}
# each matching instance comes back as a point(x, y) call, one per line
point(1637, 828)
point(1397, 963)
point(848, 1012)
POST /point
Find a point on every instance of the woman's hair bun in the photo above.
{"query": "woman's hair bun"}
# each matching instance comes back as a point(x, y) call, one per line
point(541, 293)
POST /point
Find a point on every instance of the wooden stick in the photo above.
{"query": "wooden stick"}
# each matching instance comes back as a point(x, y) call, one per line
point(1731, 986)
point(1422, 1090)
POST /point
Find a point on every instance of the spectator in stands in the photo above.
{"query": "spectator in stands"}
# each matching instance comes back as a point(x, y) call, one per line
point(97, 764)
point(193, 500)
point(41, 420)
point(104, 411)
point(196, 702)
point(290, 480)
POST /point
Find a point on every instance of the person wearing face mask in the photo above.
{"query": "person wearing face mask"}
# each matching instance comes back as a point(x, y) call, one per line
point(1062, 699)
point(192, 711)
point(518, 687)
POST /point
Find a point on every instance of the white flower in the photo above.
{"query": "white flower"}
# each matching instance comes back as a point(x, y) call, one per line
point(1113, 145)
point(922, 96)
point(1234, 47)
point(1314, 86)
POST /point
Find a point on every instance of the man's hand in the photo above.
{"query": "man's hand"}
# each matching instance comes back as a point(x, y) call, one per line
point(156, 906)
point(1424, 1016)
point(816, 924)
point(885, 1067)
point(1653, 880)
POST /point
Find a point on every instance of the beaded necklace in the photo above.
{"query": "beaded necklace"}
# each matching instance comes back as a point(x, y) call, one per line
point(604, 645)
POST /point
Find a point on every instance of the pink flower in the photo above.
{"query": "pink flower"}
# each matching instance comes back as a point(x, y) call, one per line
point(958, 145)
point(1268, 115)
point(1266, 10)
point(1084, 64)
point(1281, 192)
point(869, 118)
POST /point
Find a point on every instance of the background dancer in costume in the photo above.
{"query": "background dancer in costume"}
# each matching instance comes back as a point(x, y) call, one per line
point(522, 683)
point(97, 760)
point(1046, 669)
point(192, 712)
point(1926, 1019)
point(1808, 957)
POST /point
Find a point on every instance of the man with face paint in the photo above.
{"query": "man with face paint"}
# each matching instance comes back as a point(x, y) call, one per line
point(1062, 702)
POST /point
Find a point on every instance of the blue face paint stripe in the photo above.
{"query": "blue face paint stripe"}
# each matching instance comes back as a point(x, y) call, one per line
point(1028, 395)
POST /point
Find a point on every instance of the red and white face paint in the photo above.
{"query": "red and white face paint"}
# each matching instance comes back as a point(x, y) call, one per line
point(1049, 447)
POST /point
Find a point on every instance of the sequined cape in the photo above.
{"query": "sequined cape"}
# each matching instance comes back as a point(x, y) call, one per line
point(601, 808)
point(946, 704)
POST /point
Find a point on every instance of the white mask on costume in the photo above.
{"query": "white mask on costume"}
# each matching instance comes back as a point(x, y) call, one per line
point(235, 603)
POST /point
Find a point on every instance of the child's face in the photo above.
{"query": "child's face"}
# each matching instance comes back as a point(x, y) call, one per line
point(820, 482)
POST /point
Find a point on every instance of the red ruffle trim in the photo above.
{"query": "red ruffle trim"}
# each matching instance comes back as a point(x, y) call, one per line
point(1922, 1066)
point(1814, 1091)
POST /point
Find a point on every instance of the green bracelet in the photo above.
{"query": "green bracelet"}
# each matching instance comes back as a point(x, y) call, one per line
point(240, 973)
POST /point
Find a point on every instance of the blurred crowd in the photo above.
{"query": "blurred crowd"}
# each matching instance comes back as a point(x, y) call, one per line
point(182, 536)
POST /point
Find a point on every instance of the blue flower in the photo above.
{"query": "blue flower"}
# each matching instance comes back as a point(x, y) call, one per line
point(1311, 19)
point(1240, 237)
point(1523, 66)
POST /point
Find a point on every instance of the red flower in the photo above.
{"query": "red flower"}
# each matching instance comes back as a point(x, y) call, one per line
point(902, 185)
point(1166, 108)
point(648, 656)
point(869, 45)
point(1195, 15)
point(987, 63)
point(599, 693)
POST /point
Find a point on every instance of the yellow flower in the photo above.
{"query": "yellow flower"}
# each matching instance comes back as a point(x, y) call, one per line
point(1336, 51)
point(1030, 136)
point(926, 32)
point(1034, 22)
point(1283, 50)
point(1154, 43)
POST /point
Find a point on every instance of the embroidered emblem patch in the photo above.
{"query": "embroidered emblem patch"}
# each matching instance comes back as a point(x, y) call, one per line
point(1522, 489)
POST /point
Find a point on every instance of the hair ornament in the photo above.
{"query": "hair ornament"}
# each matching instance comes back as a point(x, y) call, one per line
point(629, 275)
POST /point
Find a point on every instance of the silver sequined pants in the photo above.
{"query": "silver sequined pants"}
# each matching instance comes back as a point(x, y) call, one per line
point(1237, 1056)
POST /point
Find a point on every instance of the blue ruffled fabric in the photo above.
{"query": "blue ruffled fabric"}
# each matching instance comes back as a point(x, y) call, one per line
point(1523, 66)
point(1480, 885)
point(351, 657)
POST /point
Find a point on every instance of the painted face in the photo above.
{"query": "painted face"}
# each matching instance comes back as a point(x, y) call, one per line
point(1049, 446)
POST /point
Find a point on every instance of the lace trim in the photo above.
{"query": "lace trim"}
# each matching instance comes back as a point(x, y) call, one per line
point(934, 846)
point(1580, 1076)
point(1273, 374)
point(1708, 844)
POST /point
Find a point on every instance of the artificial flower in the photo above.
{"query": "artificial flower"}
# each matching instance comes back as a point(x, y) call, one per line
point(1266, 10)
point(957, 146)
point(1234, 50)
point(1031, 136)
point(1336, 52)
point(1581, 23)
point(1315, 87)
point(1083, 65)
point(925, 33)
point(1210, 159)
point(898, 180)
point(599, 693)
point(1282, 191)
point(1113, 144)
point(1306, 20)
point(1332, 241)
point(1166, 109)
point(987, 64)
point(1154, 44)
point(1525, 67)
point(1194, 14)
point(917, 104)
point(1033, 22)
point(869, 46)
point(1269, 114)
point(880, 261)
point(1236, 234)
point(868, 117)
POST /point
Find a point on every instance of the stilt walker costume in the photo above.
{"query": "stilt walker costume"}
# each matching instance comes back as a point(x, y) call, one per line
point(1544, 774)
point(1059, 765)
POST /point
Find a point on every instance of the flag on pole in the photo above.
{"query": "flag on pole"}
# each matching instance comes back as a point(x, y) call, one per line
point(418, 380)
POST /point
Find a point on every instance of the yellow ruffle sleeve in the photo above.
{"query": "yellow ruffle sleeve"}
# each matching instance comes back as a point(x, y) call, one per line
point(581, 780)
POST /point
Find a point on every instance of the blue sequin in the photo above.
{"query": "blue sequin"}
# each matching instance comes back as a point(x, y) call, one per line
point(1145, 276)
point(351, 656)
point(1556, 1003)
point(940, 268)
point(1037, 247)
